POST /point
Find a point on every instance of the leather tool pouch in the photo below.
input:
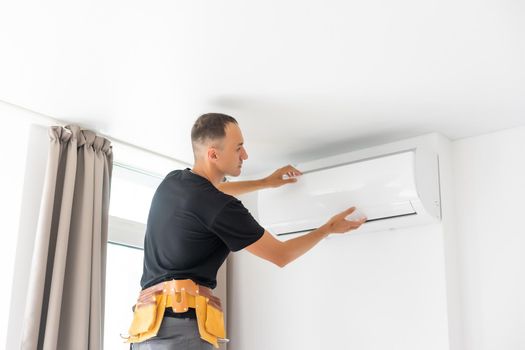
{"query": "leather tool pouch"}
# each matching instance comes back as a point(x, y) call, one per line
point(215, 322)
point(147, 319)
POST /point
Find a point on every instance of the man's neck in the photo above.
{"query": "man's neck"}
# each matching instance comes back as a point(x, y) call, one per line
point(214, 177)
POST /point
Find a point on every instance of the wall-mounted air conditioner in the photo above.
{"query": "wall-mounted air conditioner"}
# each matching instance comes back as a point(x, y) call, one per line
point(394, 190)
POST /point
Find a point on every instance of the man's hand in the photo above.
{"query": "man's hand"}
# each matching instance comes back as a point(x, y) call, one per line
point(339, 224)
point(276, 178)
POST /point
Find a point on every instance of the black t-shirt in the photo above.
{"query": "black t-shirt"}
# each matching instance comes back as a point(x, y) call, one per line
point(191, 229)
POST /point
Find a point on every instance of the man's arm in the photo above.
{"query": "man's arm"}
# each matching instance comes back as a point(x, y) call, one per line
point(240, 187)
point(282, 253)
point(273, 180)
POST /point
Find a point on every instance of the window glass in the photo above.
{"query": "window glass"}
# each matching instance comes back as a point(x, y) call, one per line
point(123, 272)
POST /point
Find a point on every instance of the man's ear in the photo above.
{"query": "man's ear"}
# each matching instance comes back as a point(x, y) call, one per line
point(212, 153)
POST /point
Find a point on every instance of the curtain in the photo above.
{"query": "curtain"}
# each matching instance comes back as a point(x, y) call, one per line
point(65, 302)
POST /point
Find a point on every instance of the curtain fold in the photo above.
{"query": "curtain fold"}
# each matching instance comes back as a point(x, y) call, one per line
point(65, 302)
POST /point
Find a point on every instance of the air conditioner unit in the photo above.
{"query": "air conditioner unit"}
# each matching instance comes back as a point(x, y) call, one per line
point(393, 191)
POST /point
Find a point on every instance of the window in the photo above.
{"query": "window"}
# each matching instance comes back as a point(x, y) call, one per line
point(131, 194)
point(123, 272)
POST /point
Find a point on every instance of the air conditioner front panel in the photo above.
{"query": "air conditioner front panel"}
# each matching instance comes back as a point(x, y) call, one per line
point(382, 187)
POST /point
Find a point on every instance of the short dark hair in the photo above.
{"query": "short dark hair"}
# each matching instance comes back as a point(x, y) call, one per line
point(209, 126)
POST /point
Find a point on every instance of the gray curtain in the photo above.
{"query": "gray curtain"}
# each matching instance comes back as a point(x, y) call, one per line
point(65, 302)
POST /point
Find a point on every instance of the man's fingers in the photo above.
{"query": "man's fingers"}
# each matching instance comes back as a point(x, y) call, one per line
point(349, 211)
point(353, 225)
point(290, 170)
point(360, 221)
point(295, 171)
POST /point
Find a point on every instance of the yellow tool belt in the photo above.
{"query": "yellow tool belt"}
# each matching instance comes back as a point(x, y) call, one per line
point(179, 295)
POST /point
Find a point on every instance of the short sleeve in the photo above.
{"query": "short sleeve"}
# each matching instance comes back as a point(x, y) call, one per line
point(236, 227)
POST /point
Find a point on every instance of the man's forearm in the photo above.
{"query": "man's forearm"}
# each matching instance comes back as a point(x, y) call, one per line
point(296, 247)
point(240, 187)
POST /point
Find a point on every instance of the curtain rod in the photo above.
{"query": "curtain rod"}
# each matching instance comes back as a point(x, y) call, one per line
point(46, 120)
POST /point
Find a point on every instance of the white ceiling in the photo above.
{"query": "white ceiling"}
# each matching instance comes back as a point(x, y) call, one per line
point(305, 79)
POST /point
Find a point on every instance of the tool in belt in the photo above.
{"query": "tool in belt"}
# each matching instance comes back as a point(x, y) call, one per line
point(180, 295)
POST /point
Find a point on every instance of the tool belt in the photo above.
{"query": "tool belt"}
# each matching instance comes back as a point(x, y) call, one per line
point(180, 295)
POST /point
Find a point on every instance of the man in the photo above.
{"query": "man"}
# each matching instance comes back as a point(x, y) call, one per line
point(194, 222)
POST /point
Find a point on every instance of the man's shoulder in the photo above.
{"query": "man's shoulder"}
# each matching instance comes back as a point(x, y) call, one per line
point(196, 190)
point(176, 172)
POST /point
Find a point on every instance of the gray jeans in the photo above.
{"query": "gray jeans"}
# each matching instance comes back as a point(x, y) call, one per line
point(175, 334)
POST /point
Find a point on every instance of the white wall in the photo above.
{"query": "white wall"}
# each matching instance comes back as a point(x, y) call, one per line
point(380, 291)
point(37, 153)
point(384, 290)
point(489, 173)
point(12, 153)
point(21, 181)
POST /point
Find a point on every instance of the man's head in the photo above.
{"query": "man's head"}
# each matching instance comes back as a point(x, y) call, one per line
point(217, 141)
